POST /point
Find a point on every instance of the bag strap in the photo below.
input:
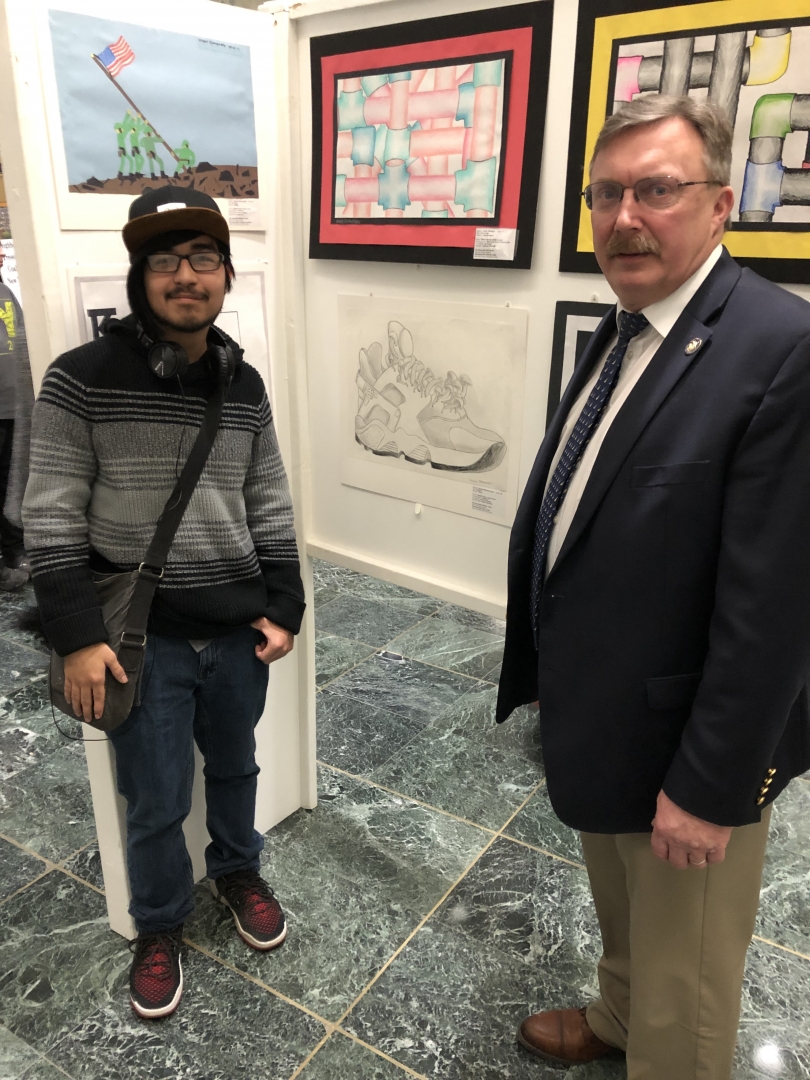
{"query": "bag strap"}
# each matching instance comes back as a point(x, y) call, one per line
point(133, 638)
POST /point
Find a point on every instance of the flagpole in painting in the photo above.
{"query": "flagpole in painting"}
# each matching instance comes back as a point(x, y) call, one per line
point(112, 61)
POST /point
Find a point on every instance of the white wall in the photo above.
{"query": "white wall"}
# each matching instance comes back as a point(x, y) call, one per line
point(439, 552)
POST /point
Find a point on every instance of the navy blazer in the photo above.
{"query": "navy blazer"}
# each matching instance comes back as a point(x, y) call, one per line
point(674, 627)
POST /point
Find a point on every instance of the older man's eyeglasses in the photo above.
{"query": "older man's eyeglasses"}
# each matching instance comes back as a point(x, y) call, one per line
point(167, 262)
point(657, 192)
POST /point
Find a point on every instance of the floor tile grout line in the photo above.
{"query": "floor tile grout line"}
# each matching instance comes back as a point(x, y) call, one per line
point(381, 1053)
point(27, 850)
point(323, 686)
point(407, 798)
point(312, 1054)
point(784, 948)
point(330, 1025)
point(78, 851)
point(423, 922)
point(81, 880)
point(27, 885)
point(544, 851)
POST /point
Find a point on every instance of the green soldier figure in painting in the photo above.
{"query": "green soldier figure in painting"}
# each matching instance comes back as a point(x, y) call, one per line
point(148, 141)
point(137, 126)
point(186, 158)
point(124, 160)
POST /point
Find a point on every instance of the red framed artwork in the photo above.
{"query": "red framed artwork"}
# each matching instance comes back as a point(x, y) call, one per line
point(428, 138)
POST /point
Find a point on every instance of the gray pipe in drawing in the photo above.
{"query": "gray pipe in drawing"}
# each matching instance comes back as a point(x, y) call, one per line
point(677, 65)
point(727, 72)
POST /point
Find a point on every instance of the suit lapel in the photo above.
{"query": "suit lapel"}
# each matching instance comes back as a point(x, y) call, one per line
point(662, 375)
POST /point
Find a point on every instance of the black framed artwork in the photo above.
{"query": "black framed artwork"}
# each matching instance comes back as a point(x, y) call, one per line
point(427, 138)
point(574, 323)
point(752, 57)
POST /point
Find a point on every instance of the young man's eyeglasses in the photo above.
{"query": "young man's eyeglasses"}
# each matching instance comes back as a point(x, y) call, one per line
point(657, 192)
point(167, 262)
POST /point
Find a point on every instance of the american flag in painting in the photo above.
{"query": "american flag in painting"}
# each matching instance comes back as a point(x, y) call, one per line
point(116, 57)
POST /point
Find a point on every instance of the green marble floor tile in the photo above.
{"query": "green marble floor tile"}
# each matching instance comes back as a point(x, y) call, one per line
point(774, 1035)
point(45, 1070)
point(466, 764)
point(357, 736)
point(449, 1006)
point(330, 581)
point(494, 676)
point(408, 688)
point(784, 908)
point(59, 960)
point(450, 645)
point(373, 622)
point(20, 622)
point(335, 655)
point(341, 1057)
point(47, 807)
point(19, 664)
point(15, 1055)
point(17, 868)
point(526, 904)
point(26, 741)
point(22, 702)
point(354, 877)
point(225, 1028)
point(537, 824)
point(86, 864)
point(474, 619)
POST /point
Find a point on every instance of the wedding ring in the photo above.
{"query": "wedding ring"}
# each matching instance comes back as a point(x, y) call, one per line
point(700, 863)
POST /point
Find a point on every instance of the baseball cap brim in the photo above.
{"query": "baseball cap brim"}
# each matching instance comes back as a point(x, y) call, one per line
point(197, 218)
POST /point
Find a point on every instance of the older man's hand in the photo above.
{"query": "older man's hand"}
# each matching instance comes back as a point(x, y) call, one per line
point(684, 840)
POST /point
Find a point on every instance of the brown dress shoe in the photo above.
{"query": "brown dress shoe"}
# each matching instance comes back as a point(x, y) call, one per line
point(562, 1036)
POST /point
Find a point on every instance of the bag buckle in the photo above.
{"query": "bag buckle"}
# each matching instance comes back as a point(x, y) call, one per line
point(133, 641)
point(154, 572)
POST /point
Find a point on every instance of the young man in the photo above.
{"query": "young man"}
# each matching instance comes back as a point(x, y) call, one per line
point(109, 439)
point(659, 597)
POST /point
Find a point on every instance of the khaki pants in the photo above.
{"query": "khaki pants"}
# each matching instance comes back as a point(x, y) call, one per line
point(674, 944)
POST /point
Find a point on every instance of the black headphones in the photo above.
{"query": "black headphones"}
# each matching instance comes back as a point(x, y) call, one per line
point(168, 360)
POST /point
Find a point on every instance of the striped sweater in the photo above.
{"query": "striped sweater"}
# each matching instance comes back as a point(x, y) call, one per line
point(108, 441)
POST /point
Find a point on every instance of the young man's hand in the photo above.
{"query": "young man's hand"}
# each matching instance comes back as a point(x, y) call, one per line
point(277, 641)
point(85, 674)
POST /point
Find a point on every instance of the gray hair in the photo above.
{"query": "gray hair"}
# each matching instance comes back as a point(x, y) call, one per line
point(709, 121)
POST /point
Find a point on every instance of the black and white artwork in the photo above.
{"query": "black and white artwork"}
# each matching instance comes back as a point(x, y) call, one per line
point(574, 323)
point(432, 402)
point(101, 295)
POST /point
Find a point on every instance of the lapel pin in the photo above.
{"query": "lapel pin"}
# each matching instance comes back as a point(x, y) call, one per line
point(693, 346)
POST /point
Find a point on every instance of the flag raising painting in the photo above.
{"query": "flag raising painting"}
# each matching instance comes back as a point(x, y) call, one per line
point(130, 109)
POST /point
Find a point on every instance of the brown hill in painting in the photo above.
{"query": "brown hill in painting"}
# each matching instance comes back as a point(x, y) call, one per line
point(218, 181)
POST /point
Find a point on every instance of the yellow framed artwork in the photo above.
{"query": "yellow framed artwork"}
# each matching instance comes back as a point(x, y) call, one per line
point(750, 56)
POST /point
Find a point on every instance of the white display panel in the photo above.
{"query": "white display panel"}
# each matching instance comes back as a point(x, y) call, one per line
point(165, 72)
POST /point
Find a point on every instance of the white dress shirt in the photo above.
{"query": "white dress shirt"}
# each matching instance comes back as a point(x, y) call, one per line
point(661, 316)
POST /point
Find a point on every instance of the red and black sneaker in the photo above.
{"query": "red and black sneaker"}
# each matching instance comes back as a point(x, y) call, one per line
point(256, 912)
point(156, 975)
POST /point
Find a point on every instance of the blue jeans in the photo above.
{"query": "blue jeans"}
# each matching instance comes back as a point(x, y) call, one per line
point(215, 697)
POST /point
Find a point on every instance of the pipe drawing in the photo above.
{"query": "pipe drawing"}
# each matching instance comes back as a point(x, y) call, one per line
point(767, 182)
point(400, 139)
point(730, 65)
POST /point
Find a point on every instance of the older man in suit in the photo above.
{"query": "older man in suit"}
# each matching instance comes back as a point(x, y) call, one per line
point(659, 597)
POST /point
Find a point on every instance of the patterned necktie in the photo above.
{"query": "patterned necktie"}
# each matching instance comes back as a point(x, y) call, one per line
point(629, 326)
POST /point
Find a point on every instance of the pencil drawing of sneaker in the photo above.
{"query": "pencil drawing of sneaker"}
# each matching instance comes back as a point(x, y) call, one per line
point(404, 410)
